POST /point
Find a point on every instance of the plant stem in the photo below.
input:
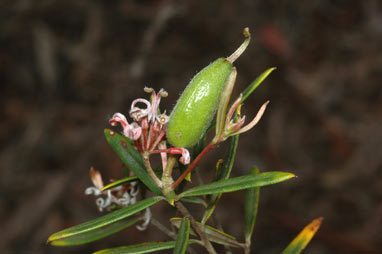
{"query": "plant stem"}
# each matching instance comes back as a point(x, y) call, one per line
point(247, 249)
point(151, 171)
point(193, 164)
point(170, 165)
point(199, 230)
point(167, 180)
point(169, 233)
point(163, 228)
point(220, 227)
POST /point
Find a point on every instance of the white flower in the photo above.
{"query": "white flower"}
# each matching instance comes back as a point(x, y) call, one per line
point(119, 196)
point(146, 220)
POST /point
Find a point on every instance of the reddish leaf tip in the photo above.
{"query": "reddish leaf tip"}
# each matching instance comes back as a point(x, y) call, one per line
point(315, 224)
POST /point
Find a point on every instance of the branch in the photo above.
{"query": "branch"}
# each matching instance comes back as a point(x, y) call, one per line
point(199, 230)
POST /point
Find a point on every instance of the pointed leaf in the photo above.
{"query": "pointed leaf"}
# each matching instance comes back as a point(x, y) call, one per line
point(213, 234)
point(131, 158)
point(256, 83)
point(230, 158)
point(95, 234)
point(142, 248)
point(250, 211)
point(194, 200)
point(224, 174)
point(182, 238)
point(302, 239)
point(119, 182)
point(238, 183)
point(125, 171)
point(79, 231)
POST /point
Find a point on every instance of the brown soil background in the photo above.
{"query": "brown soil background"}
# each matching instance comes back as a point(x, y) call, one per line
point(67, 66)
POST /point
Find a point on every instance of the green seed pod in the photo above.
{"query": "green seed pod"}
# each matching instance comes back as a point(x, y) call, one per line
point(197, 105)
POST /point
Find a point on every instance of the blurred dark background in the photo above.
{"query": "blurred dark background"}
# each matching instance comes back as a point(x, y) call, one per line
point(67, 66)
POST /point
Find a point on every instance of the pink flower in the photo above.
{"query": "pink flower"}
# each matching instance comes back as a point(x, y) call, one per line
point(132, 131)
point(148, 126)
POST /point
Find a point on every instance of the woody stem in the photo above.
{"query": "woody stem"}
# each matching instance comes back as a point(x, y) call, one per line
point(197, 227)
point(170, 165)
point(151, 171)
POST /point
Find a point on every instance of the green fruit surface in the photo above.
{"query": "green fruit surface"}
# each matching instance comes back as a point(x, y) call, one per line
point(197, 105)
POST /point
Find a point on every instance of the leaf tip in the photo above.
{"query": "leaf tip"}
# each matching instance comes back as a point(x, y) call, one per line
point(51, 240)
point(109, 132)
point(254, 170)
point(316, 224)
point(310, 230)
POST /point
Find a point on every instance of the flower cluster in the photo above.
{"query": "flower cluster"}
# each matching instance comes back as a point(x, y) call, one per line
point(119, 196)
point(148, 131)
point(148, 128)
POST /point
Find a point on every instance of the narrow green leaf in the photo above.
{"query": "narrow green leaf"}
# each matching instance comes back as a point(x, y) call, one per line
point(142, 248)
point(223, 175)
point(250, 211)
point(78, 231)
point(238, 183)
point(96, 234)
point(119, 182)
point(182, 238)
point(194, 200)
point(125, 171)
point(256, 83)
point(213, 234)
point(132, 158)
point(230, 158)
point(303, 238)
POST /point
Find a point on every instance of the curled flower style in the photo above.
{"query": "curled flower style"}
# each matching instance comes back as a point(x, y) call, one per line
point(132, 131)
point(154, 109)
point(138, 113)
point(146, 220)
